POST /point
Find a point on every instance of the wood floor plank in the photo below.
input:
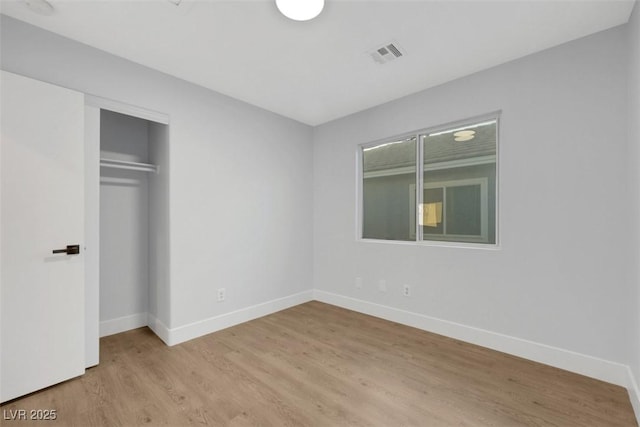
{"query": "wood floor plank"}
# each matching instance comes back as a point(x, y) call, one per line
point(321, 365)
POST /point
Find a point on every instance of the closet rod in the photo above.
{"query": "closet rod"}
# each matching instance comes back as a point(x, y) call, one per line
point(122, 164)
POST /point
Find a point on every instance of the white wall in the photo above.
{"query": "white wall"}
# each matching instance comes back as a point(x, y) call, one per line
point(560, 276)
point(124, 219)
point(241, 194)
point(633, 29)
point(241, 202)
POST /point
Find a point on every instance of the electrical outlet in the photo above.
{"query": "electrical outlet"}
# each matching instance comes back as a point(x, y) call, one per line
point(406, 290)
point(358, 282)
point(221, 294)
point(382, 285)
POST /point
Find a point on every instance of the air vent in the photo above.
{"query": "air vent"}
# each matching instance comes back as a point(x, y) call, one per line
point(387, 52)
point(180, 7)
point(41, 7)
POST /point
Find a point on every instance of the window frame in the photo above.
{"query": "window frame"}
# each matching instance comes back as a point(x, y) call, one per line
point(419, 189)
point(483, 237)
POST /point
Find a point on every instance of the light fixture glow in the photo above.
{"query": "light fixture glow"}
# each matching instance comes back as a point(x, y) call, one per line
point(490, 122)
point(300, 10)
point(464, 138)
point(382, 145)
point(464, 135)
point(386, 144)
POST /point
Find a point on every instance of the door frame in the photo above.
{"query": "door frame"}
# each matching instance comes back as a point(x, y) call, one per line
point(93, 105)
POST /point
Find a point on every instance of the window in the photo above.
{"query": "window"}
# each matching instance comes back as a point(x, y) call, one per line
point(449, 196)
point(388, 167)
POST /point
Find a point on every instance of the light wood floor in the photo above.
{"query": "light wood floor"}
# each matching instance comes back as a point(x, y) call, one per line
point(319, 365)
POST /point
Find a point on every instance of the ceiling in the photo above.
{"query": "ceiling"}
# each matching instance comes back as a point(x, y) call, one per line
point(320, 70)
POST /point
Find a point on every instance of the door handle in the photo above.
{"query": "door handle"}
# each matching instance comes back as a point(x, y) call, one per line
point(69, 250)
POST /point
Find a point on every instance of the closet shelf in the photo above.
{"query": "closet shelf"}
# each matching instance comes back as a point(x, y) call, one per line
point(122, 164)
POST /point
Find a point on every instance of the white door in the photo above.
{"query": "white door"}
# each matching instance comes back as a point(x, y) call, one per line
point(41, 210)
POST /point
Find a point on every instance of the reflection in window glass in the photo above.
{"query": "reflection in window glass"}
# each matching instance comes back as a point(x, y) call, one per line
point(448, 195)
point(432, 203)
point(460, 163)
point(388, 171)
point(464, 210)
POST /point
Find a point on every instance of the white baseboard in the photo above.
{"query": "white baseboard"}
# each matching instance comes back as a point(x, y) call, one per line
point(184, 333)
point(604, 370)
point(634, 393)
point(158, 328)
point(611, 372)
point(122, 324)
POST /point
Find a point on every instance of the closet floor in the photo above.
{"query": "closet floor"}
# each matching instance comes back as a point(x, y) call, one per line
point(319, 365)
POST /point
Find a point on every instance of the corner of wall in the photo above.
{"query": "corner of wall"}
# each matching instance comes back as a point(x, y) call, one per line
point(633, 33)
point(173, 336)
point(159, 328)
point(634, 393)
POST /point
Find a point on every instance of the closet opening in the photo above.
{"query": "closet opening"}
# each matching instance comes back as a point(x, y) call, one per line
point(133, 224)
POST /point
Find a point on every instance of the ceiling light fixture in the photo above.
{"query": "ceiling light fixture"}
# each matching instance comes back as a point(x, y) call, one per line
point(490, 122)
point(300, 10)
point(463, 138)
point(464, 135)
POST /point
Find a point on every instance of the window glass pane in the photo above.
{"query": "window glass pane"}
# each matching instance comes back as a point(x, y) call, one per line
point(389, 171)
point(432, 221)
point(462, 161)
point(463, 210)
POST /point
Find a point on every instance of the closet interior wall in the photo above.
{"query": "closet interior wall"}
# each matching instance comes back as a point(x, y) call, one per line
point(131, 222)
